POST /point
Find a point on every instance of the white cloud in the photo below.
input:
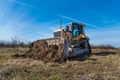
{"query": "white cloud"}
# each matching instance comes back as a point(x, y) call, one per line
point(21, 3)
point(54, 27)
point(69, 18)
point(105, 36)
point(6, 33)
point(9, 30)
point(13, 25)
point(44, 35)
point(59, 15)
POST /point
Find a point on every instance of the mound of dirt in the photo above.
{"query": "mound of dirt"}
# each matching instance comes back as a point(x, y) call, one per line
point(40, 50)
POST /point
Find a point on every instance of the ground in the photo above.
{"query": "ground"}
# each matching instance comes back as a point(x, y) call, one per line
point(103, 64)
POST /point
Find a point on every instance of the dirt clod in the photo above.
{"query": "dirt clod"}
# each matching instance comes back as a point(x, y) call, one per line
point(40, 50)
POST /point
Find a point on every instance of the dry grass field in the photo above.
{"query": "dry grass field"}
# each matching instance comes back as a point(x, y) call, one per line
point(103, 64)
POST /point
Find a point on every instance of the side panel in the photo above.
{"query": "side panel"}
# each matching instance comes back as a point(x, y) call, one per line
point(54, 41)
point(64, 34)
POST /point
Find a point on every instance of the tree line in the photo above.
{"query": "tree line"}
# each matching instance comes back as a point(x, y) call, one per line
point(15, 42)
point(102, 47)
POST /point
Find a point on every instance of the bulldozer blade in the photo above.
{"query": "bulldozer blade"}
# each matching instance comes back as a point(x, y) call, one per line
point(76, 51)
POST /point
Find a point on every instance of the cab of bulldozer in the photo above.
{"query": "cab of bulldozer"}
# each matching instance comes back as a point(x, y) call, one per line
point(75, 29)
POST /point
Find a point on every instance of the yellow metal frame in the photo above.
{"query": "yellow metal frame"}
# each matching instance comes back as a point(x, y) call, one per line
point(81, 36)
point(64, 34)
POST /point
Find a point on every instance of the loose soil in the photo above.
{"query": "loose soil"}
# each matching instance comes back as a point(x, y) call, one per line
point(40, 50)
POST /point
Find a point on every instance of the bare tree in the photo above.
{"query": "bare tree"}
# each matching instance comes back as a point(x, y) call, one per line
point(15, 43)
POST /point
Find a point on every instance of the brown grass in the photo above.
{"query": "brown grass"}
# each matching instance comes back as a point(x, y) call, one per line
point(101, 65)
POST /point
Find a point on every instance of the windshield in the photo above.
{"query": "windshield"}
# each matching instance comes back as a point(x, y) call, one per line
point(76, 30)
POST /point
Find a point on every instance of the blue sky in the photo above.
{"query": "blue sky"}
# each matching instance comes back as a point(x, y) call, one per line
point(36, 19)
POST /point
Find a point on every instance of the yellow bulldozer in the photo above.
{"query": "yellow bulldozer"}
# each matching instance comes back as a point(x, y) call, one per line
point(74, 40)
